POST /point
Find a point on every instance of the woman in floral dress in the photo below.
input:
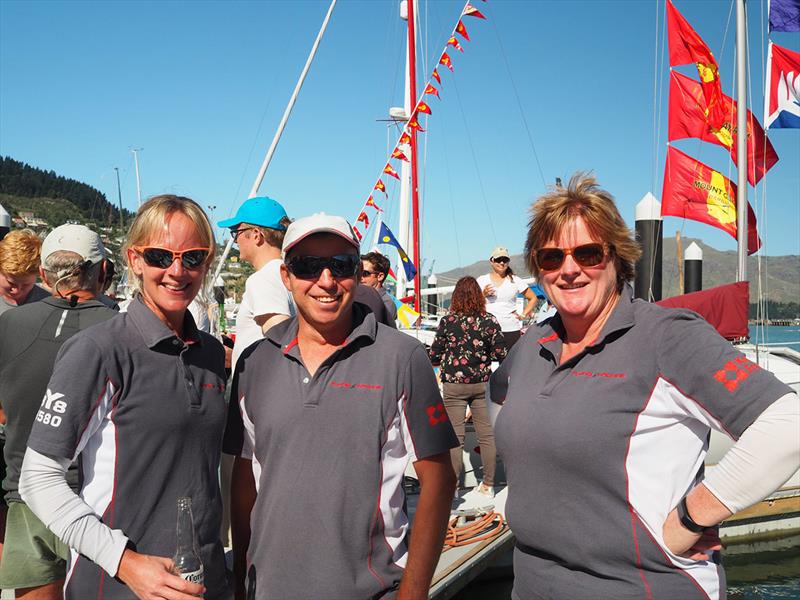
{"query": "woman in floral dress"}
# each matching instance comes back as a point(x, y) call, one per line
point(466, 343)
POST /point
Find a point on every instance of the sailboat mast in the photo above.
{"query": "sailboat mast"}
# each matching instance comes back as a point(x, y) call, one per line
point(412, 92)
point(741, 139)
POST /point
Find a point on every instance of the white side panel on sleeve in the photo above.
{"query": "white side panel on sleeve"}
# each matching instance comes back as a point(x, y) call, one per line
point(394, 458)
point(667, 450)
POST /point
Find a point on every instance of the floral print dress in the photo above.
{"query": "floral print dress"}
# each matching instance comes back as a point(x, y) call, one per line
point(465, 346)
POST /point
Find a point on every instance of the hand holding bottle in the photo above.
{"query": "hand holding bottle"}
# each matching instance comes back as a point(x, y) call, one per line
point(151, 577)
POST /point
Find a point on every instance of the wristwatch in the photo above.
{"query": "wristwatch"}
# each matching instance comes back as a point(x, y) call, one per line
point(687, 521)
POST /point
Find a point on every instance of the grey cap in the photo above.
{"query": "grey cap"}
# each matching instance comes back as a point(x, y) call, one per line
point(318, 223)
point(74, 238)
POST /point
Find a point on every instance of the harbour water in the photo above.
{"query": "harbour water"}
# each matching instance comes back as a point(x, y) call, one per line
point(761, 571)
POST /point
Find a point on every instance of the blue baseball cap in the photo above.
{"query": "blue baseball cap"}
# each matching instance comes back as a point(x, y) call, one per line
point(261, 211)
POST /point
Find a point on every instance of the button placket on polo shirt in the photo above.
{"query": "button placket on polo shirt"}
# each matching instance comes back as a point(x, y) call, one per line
point(188, 379)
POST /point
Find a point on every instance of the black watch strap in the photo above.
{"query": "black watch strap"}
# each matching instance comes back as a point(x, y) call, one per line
point(686, 520)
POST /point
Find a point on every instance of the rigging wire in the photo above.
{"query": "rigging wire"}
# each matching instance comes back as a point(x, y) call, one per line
point(475, 161)
point(516, 96)
point(450, 195)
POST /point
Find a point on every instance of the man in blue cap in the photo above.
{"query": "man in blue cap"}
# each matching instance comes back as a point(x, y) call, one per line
point(258, 228)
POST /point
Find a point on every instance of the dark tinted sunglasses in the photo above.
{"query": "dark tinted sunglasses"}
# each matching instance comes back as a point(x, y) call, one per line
point(311, 267)
point(162, 258)
point(586, 255)
point(501, 259)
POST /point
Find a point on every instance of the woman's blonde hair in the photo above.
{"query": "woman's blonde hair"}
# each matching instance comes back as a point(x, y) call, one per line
point(153, 217)
point(584, 198)
point(20, 253)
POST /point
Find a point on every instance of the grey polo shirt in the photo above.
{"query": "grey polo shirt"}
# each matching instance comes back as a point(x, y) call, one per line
point(30, 337)
point(144, 412)
point(37, 293)
point(329, 452)
point(600, 449)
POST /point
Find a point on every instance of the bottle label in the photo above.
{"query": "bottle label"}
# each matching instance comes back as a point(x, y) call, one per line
point(193, 576)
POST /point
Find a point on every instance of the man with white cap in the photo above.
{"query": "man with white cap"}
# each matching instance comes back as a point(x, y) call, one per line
point(330, 407)
point(258, 229)
point(73, 263)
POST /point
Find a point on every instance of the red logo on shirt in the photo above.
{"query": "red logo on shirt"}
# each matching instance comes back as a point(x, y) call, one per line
point(436, 414)
point(734, 372)
point(355, 386)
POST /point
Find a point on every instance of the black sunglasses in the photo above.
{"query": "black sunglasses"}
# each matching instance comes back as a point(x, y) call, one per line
point(586, 255)
point(311, 267)
point(162, 258)
point(501, 259)
point(235, 233)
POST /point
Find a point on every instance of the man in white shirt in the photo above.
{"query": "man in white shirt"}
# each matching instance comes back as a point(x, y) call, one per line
point(258, 228)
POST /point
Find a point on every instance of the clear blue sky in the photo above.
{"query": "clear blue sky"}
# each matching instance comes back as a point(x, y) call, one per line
point(201, 87)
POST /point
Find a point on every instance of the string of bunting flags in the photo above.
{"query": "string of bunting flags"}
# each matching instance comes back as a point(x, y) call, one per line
point(401, 147)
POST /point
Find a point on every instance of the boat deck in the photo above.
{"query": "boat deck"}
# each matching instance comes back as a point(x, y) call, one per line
point(459, 566)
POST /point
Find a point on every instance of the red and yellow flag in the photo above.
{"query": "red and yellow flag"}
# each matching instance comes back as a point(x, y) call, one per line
point(454, 43)
point(471, 11)
point(414, 124)
point(371, 202)
point(436, 76)
point(390, 171)
point(357, 232)
point(429, 89)
point(397, 153)
point(695, 191)
point(405, 138)
point(685, 47)
point(461, 30)
point(423, 108)
point(363, 218)
point(688, 119)
point(445, 60)
point(380, 186)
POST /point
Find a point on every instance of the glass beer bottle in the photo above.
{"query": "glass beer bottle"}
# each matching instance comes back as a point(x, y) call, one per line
point(187, 559)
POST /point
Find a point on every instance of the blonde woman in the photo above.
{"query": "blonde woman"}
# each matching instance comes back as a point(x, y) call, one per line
point(19, 266)
point(138, 400)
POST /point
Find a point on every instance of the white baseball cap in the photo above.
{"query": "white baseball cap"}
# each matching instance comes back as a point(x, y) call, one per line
point(74, 238)
point(318, 223)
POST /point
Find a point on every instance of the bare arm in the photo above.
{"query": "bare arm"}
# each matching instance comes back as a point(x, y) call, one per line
point(438, 484)
point(532, 302)
point(243, 497)
point(269, 320)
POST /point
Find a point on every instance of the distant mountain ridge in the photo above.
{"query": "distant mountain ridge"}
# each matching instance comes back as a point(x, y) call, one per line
point(780, 274)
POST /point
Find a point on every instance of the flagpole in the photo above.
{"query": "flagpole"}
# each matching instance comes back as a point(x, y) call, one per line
point(279, 132)
point(412, 91)
point(741, 140)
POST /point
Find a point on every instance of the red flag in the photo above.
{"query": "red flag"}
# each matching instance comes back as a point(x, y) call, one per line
point(687, 118)
point(445, 60)
point(398, 154)
point(695, 191)
point(404, 139)
point(460, 29)
point(390, 171)
point(454, 43)
point(380, 186)
point(685, 47)
point(357, 232)
point(363, 218)
point(435, 75)
point(429, 89)
point(423, 108)
point(414, 124)
point(471, 11)
point(371, 202)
